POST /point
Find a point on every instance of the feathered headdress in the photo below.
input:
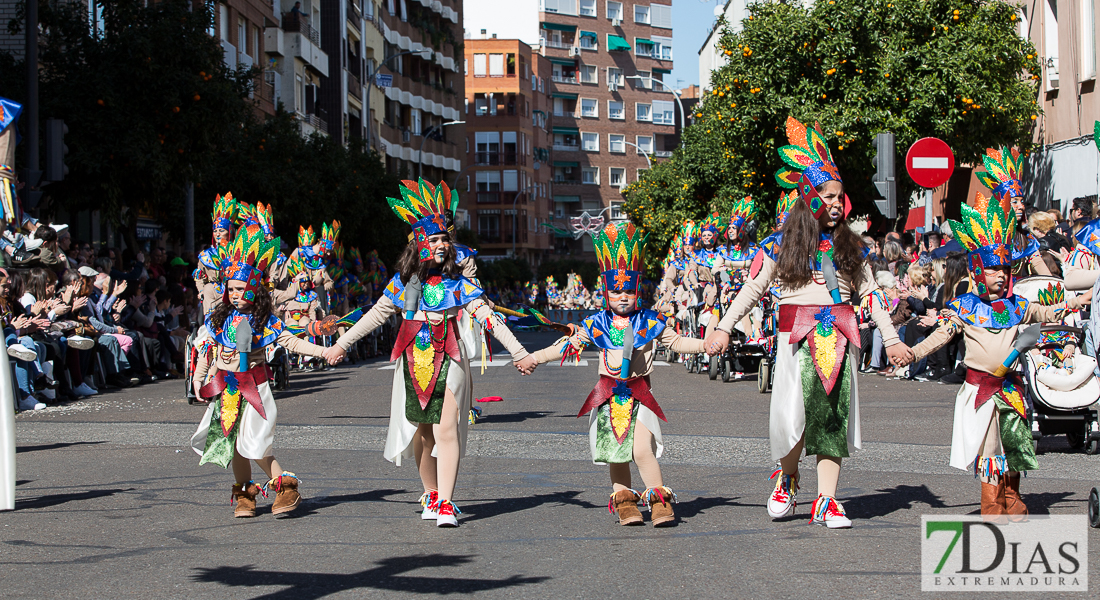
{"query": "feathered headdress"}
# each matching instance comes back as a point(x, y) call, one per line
point(265, 218)
point(295, 268)
point(354, 257)
point(246, 214)
point(1002, 173)
point(247, 260)
point(425, 208)
point(329, 235)
point(225, 211)
point(743, 211)
point(786, 202)
point(306, 237)
point(714, 223)
point(688, 233)
point(810, 165)
point(620, 250)
point(986, 231)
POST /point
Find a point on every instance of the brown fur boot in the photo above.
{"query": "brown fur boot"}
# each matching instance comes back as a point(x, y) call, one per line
point(625, 503)
point(1014, 505)
point(993, 501)
point(660, 501)
point(244, 496)
point(287, 497)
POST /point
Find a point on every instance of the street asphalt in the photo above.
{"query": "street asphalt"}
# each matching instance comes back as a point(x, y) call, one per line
point(111, 501)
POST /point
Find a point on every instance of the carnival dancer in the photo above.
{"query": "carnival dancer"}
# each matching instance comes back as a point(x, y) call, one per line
point(553, 294)
point(432, 382)
point(736, 257)
point(305, 306)
point(625, 419)
point(1002, 177)
point(208, 275)
point(705, 259)
point(991, 429)
point(820, 267)
point(312, 254)
point(239, 424)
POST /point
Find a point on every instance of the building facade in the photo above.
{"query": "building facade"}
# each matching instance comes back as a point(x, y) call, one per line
point(507, 182)
point(710, 57)
point(296, 66)
point(609, 105)
point(351, 36)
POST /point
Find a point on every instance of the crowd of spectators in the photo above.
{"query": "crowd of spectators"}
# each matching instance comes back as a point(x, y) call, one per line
point(80, 320)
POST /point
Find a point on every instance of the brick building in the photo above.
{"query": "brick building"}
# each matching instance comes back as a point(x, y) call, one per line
point(508, 140)
point(607, 111)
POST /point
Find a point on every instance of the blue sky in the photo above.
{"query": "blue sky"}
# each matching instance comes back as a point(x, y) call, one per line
point(690, 21)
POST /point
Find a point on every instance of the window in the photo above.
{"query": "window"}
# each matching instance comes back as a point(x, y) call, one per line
point(488, 224)
point(1050, 43)
point(662, 48)
point(588, 73)
point(565, 141)
point(481, 106)
point(642, 112)
point(479, 65)
point(590, 175)
point(563, 7)
point(1088, 41)
point(615, 143)
point(391, 6)
point(644, 83)
point(590, 142)
point(511, 65)
point(496, 65)
point(660, 15)
point(614, 75)
point(645, 143)
point(662, 112)
point(590, 108)
point(487, 146)
point(641, 173)
point(615, 109)
point(588, 8)
point(588, 40)
point(614, 10)
point(616, 176)
point(242, 37)
point(643, 47)
point(641, 14)
point(488, 186)
point(511, 181)
point(414, 121)
point(223, 22)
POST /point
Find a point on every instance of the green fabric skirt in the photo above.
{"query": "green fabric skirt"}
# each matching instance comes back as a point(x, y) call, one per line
point(431, 413)
point(826, 429)
point(608, 449)
point(1016, 440)
point(220, 447)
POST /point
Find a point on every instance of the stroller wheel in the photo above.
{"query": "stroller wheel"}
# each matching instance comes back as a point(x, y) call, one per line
point(764, 377)
point(726, 370)
point(1094, 507)
point(1092, 447)
point(1075, 439)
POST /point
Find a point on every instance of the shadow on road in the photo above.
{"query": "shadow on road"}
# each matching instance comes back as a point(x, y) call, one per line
point(21, 449)
point(310, 506)
point(55, 499)
point(517, 417)
point(1039, 504)
point(502, 506)
point(691, 508)
point(886, 501)
point(387, 575)
point(299, 388)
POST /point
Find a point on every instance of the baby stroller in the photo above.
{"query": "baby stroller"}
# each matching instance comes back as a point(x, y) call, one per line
point(1060, 381)
point(769, 332)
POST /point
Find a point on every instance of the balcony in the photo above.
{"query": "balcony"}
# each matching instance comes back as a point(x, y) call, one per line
point(563, 79)
point(502, 198)
point(354, 12)
point(316, 122)
point(567, 148)
point(553, 44)
point(304, 42)
point(663, 154)
point(298, 25)
point(354, 87)
point(499, 158)
point(562, 180)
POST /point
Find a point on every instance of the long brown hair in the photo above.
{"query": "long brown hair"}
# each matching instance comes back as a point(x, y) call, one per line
point(801, 235)
point(261, 311)
point(408, 264)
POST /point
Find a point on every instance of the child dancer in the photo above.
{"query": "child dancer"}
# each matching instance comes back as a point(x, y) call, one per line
point(623, 426)
point(820, 267)
point(239, 424)
point(432, 383)
point(991, 428)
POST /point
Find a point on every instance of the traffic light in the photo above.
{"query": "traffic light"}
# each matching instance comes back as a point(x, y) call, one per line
point(56, 150)
point(885, 152)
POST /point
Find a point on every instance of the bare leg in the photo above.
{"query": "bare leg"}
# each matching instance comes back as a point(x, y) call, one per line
point(645, 456)
point(828, 474)
point(242, 470)
point(446, 439)
point(270, 466)
point(790, 461)
point(423, 442)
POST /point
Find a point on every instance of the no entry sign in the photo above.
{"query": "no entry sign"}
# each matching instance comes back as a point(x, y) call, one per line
point(930, 162)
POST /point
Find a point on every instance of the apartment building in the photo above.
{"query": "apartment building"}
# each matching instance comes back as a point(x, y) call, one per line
point(240, 26)
point(351, 36)
point(610, 107)
point(295, 64)
point(421, 116)
point(711, 58)
point(507, 184)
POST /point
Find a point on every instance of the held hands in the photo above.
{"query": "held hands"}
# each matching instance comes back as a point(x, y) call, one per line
point(717, 342)
point(334, 355)
point(526, 365)
point(900, 354)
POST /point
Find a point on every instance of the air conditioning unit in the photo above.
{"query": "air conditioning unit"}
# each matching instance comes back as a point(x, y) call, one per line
point(616, 22)
point(574, 51)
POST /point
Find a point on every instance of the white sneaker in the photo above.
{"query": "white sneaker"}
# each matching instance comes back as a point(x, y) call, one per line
point(22, 352)
point(31, 243)
point(90, 383)
point(830, 513)
point(83, 390)
point(49, 394)
point(447, 514)
point(428, 501)
point(781, 503)
point(80, 342)
point(29, 403)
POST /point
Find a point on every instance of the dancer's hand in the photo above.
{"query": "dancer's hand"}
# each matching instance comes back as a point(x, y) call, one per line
point(900, 354)
point(334, 355)
point(526, 365)
point(716, 342)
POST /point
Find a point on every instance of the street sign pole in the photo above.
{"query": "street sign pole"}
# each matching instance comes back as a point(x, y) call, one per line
point(927, 211)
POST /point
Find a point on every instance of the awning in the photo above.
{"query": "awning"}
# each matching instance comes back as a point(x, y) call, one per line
point(558, 26)
point(566, 131)
point(565, 163)
point(660, 70)
point(567, 199)
point(643, 41)
point(572, 62)
point(591, 34)
point(915, 218)
point(539, 112)
point(616, 42)
point(563, 95)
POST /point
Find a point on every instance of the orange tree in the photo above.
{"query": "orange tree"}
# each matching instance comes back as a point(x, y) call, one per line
point(953, 69)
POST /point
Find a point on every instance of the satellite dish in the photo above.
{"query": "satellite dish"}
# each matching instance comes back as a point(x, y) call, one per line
point(536, 165)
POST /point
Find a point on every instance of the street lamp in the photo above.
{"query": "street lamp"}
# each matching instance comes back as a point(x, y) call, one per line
point(423, 139)
point(648, 162)
point(425, 53)
point(675, 95)
point(514, 200)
